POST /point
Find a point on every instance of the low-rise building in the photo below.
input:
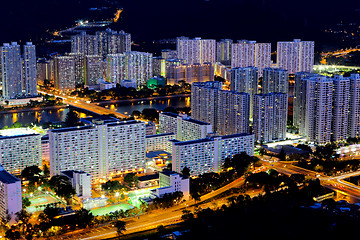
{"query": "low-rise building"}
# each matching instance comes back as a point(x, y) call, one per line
point(170, 182)
point(81, 182)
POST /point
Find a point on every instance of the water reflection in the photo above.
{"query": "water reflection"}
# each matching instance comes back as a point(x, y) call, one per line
point(58, 115)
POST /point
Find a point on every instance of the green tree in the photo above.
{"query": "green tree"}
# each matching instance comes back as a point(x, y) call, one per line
point(131, 178)
point(112, 186)
point(120, 227)
point(26, 202)
point(84, 217)
point(62, 186)
point(186, 171)
point(72, 118)
point(31, 173)
point(46, 170)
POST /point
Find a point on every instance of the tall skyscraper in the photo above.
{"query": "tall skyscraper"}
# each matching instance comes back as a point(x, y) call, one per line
point(79, 67)
point(295, 56)
point(245, 79)
point(300, 100)
point(18, 72)
point(318, 113)
point(29, 83)
point(93, 69)
point(340, 114)
point(130, 65)
point(227, 111)
point(275, 80)
point(196, 50)
point(270, 117)
point(233, 112)
point(243, 54)
point(85, 44)
point(223, 51)
point(64, 73)
point(204, 101)
point(249, 53)
point(262, 56)
point(354, 106)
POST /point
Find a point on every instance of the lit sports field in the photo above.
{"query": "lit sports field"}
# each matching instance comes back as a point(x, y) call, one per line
point(112, 208)
point(38, 203)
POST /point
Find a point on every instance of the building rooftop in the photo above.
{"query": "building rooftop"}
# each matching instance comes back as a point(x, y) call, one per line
point(16, 132)
point(170, 114)
point(160, 153)
point(195, 121)
point(160, 135)
point(203, 140)
point(169, 173)
point(71, 129)
point(6, 177)
point(236, 135)
point(70, 173)
point(148, 177)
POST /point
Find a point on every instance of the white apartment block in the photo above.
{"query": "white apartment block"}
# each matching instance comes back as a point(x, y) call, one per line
point(245, 79)
point(19, 148)
point(208, 154)
point(204, 101)
point(158, 142)
point(81, 182)
point(227, 111)
point(223, 51)
point(65, 73)
point(275, 80)
point(10, 195)
point(196, 50)
point(103, 148)
point(233, 112)
point(249, 53)
point(93, 69)
point(130, 65)
point(318, 114)
point(18, 72)
point(79, 67)
point(184, 127)
point(176, 72)
point(354, 106)
point(270, 117)
point(340, 114)
point(296, 56)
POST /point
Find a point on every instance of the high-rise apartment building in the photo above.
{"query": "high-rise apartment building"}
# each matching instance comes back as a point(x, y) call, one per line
point(249, 53)
point(275, 80)
point(223, 51)
point(318, 113)
point(233, 112)
point(245, 79)
point(184, 127)
point(10, 195)
point(18, 72)
point(93, 69)
point(79, 67)
point(270, 116)
point(130, 65)
point(209, 154)
point(102, 43)
point(29, 65)
point(340, 114)
point(19, 148)
point(204, 101)
point(227, 111)
point(354, 106)
point(196, 50)
point(103, 148)
point(65, 73)
point(295, 56)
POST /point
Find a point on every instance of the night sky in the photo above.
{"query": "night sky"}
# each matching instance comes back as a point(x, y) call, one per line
point(261, 20)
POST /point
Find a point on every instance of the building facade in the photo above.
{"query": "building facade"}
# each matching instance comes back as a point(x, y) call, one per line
point(275, 80)
point(196, 50)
